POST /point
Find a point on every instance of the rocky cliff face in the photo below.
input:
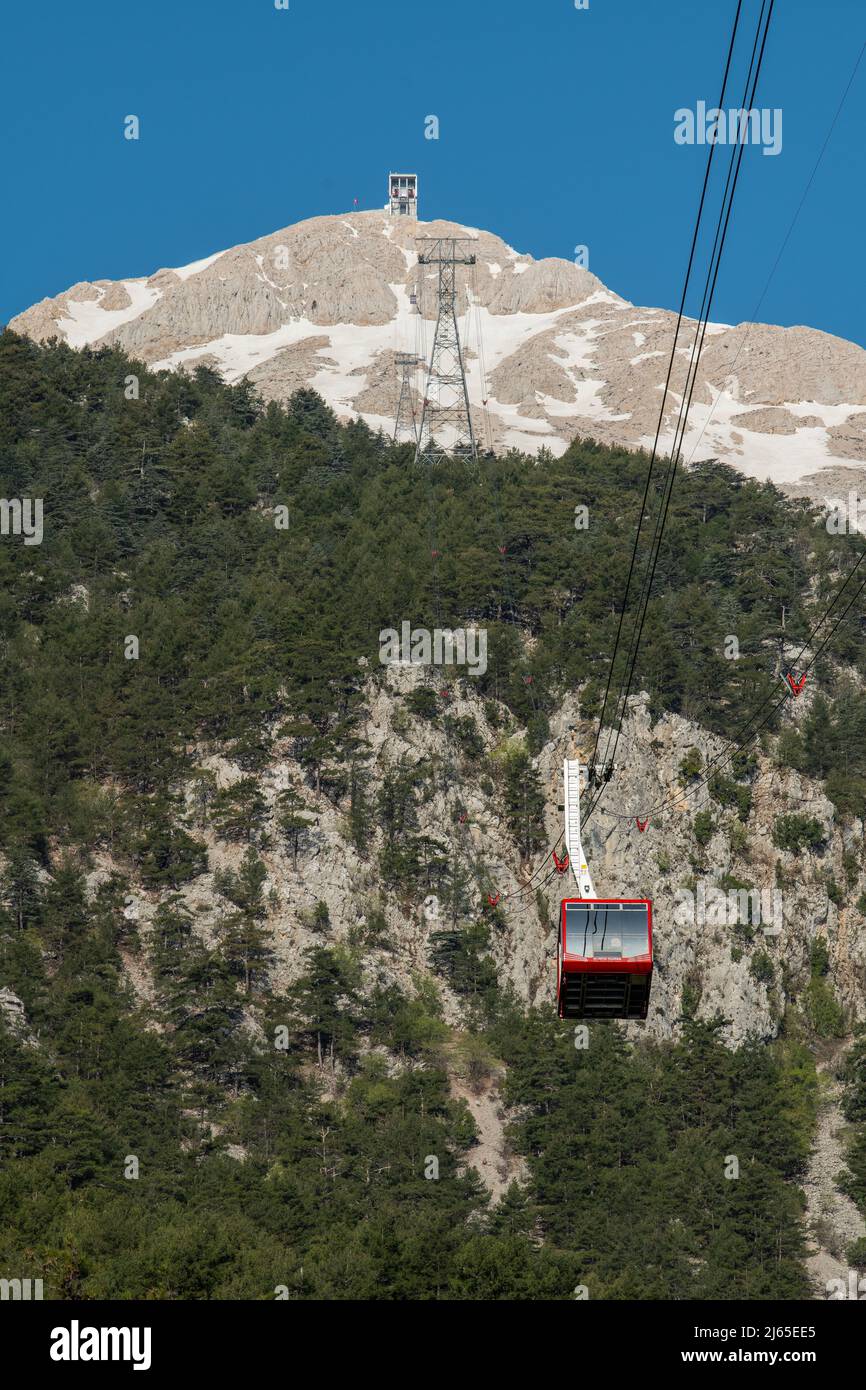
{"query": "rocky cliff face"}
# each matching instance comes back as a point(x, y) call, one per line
point(705, 956)
point(550, 350)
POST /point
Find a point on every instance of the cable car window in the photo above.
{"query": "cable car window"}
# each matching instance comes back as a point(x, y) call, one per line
point(606, 931)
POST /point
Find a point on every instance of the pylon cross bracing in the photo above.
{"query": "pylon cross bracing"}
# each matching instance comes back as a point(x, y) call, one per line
point(446, 420)
point(406, 419)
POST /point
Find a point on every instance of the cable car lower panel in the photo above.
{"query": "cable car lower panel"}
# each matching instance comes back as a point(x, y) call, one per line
point(604, 958)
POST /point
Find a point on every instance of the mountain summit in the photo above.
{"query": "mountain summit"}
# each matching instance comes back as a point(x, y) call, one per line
point(331, 301)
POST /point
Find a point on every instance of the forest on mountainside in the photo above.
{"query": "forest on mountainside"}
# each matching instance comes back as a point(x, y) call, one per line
point(253, 1174)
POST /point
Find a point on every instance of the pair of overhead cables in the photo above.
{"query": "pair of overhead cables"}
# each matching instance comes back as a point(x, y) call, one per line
point(712, 273)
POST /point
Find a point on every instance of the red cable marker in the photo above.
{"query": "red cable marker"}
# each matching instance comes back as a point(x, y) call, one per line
point(561, 864)
point(641, 824)
point(493, 899)
point(796, 685)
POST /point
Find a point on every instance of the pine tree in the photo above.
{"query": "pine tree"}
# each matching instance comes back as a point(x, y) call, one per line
point(239, 811)
point(292, 820)
point(245, 941)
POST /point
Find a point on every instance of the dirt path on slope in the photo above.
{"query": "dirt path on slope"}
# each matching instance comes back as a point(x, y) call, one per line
point(832, 1220)
point(492, 1157)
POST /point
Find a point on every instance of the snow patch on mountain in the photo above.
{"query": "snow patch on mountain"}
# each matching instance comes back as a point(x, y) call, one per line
point(326, 303)
point(183, 272)
point(87, 320)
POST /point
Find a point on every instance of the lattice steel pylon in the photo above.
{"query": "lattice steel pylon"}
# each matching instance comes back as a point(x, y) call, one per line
point(446, 398)
point(406, 404)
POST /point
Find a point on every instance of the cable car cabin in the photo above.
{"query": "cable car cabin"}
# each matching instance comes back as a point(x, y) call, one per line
point(604, 958)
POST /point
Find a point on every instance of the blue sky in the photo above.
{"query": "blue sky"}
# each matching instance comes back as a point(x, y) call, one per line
point(556, 130)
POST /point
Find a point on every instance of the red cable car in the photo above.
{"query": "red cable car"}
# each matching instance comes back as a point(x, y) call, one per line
point(604, 958)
